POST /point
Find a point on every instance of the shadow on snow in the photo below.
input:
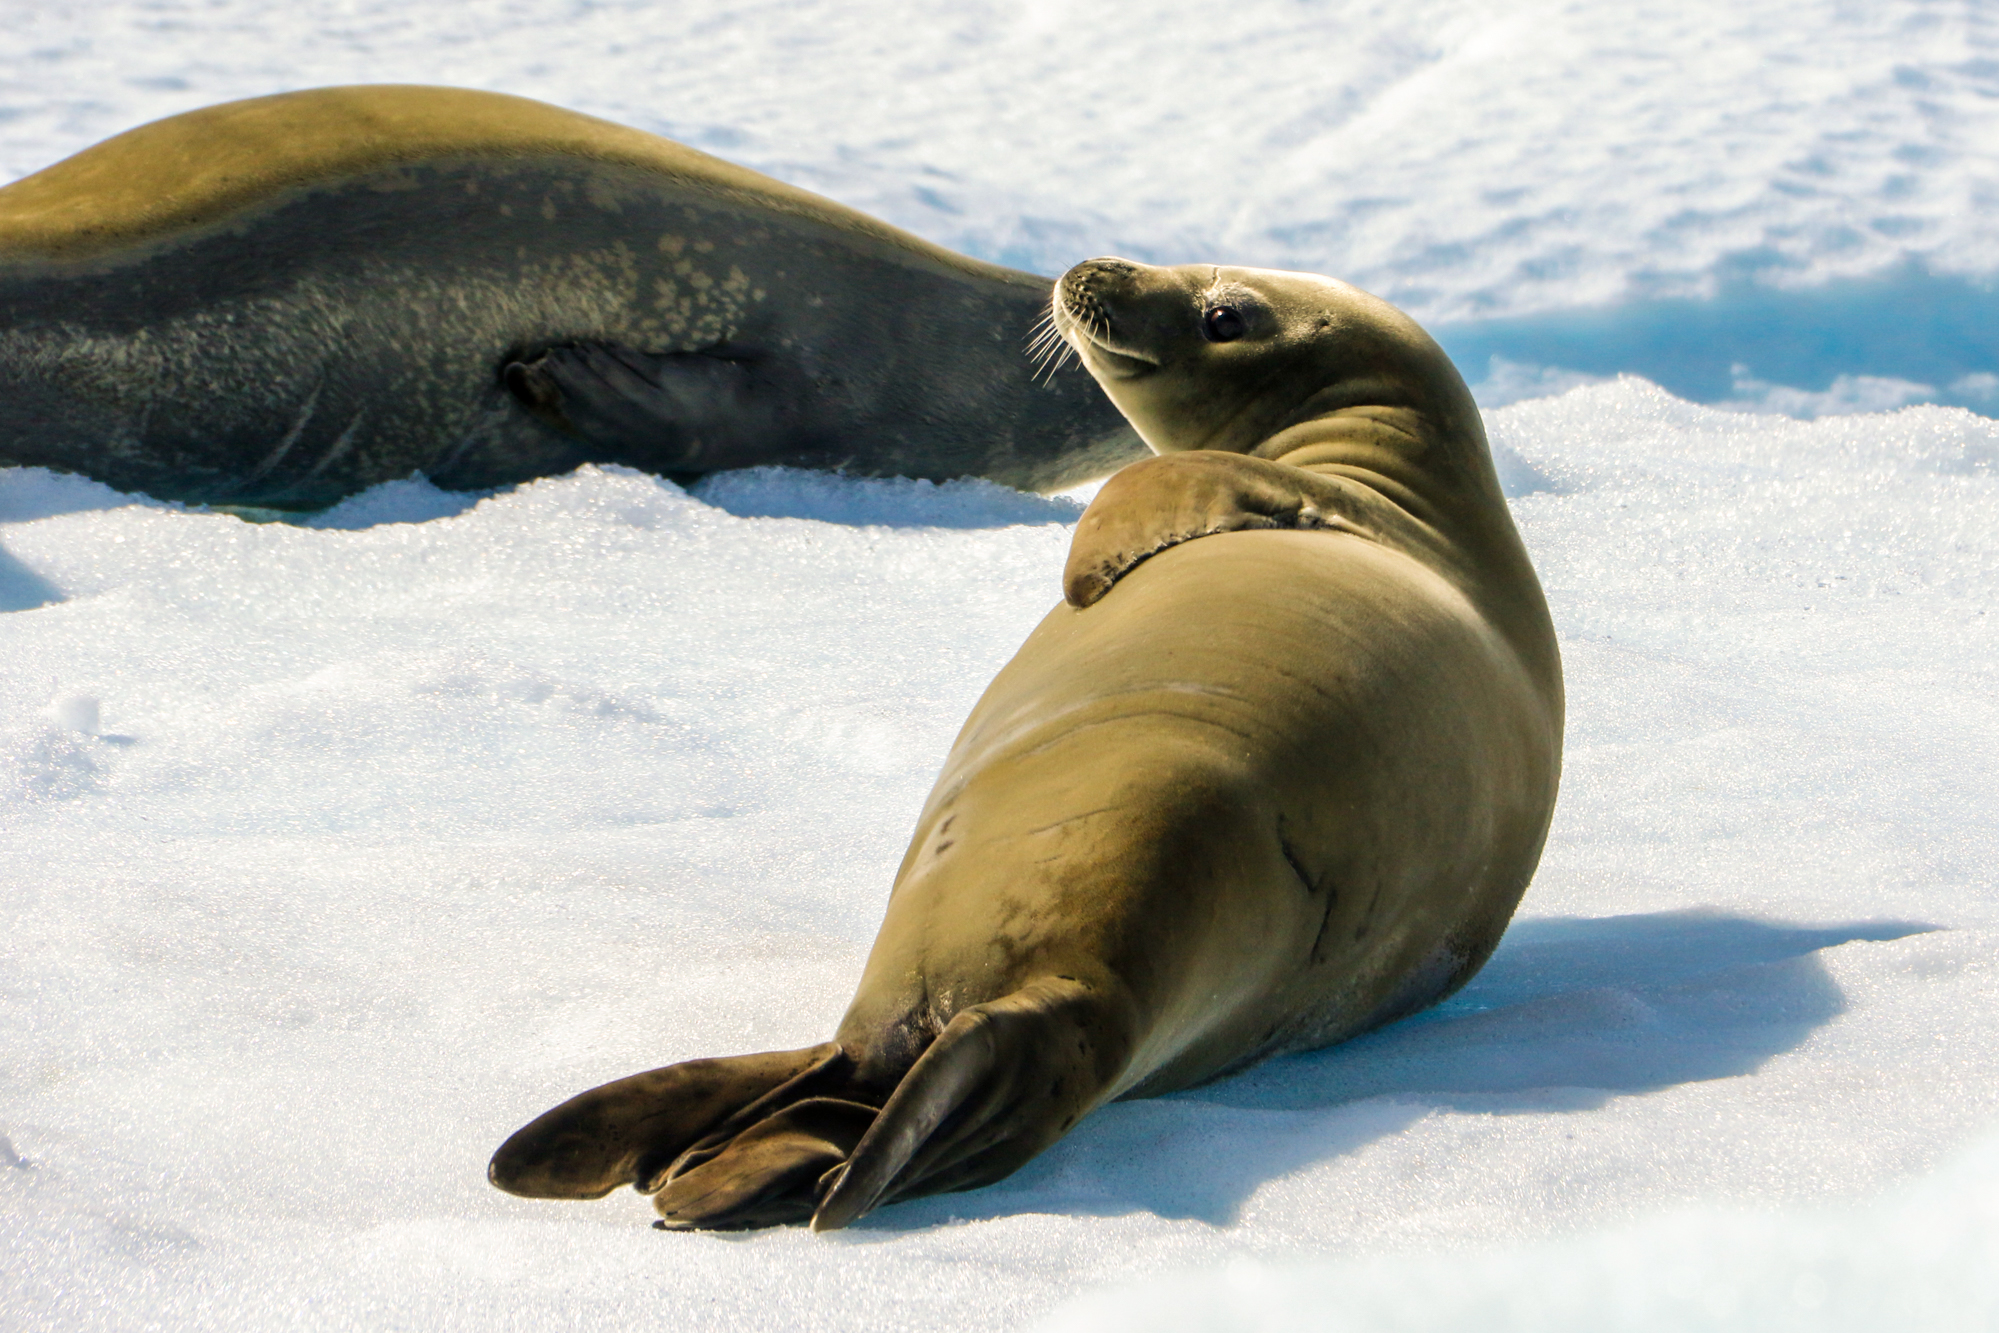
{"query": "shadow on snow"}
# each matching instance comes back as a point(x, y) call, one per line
point(1937, 330)
point(21, 588)
point(1570, 1013)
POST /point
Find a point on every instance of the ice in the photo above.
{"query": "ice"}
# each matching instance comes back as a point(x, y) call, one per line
point(75, 712)
point(412, 500)
point(337, 846)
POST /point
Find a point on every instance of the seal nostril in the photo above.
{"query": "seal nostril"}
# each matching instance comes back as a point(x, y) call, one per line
point(1081, 302)
point(1076, 286)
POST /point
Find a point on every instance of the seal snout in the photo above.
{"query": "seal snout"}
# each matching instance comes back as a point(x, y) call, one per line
point(1079, 292)
point(1089, 302)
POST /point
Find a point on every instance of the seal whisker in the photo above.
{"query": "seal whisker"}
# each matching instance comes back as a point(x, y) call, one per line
point(1048, 348)
point(1043, 332)
point(1058, 355)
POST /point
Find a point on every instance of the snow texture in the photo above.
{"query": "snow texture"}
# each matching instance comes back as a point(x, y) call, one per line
point(333, 851)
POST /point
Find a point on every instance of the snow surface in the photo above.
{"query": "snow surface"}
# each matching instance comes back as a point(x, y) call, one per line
point(332, 852)
point(336, 853)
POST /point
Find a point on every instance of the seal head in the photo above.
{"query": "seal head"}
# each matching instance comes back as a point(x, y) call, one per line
point(1203, 357)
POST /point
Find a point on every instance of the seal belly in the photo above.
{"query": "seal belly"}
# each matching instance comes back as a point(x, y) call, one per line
point(319, 342)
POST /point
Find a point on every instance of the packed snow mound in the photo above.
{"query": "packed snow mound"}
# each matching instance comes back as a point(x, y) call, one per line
point(337, 850)
point(898, 502)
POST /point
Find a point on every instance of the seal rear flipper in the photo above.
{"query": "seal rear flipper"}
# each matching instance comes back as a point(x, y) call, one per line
point(1003, 1081)
point(626, 1132)
point(663, 411)
point(767, 1175)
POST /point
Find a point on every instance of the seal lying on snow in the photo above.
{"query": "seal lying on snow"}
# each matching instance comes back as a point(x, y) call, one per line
point(281, 301)
point(1240, 794)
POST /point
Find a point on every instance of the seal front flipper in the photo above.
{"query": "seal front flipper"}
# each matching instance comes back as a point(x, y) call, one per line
point(1003, 1081)
point(661, 411)
point(626, 1132)
point(1158, 503)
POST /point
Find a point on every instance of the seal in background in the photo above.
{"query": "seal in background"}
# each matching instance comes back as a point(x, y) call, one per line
point(281, 301)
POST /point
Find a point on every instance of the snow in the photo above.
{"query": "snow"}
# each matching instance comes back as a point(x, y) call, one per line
point(1898, 1263)
point(334, 851)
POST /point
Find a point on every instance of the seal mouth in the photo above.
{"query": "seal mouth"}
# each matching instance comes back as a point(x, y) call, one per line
point(1088, 331)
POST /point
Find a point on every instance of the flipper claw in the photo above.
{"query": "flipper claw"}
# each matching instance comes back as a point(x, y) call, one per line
point(956, 1063)
point(765, 1176)
point(1003, 1081)
point(690, 411)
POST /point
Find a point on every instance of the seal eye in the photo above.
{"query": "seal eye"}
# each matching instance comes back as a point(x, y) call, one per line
point(1223, 324)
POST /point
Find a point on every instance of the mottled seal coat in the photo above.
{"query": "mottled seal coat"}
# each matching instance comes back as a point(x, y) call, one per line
point(281, 301)
point(1276, 772)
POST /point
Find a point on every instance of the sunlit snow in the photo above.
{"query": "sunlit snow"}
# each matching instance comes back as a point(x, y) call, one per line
point(333, 851)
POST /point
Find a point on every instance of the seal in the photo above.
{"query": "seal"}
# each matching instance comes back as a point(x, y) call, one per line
point(1276, 771)
point(278, 302)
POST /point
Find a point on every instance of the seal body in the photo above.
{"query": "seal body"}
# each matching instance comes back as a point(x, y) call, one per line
point(1277, 771)
point(281, 301)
